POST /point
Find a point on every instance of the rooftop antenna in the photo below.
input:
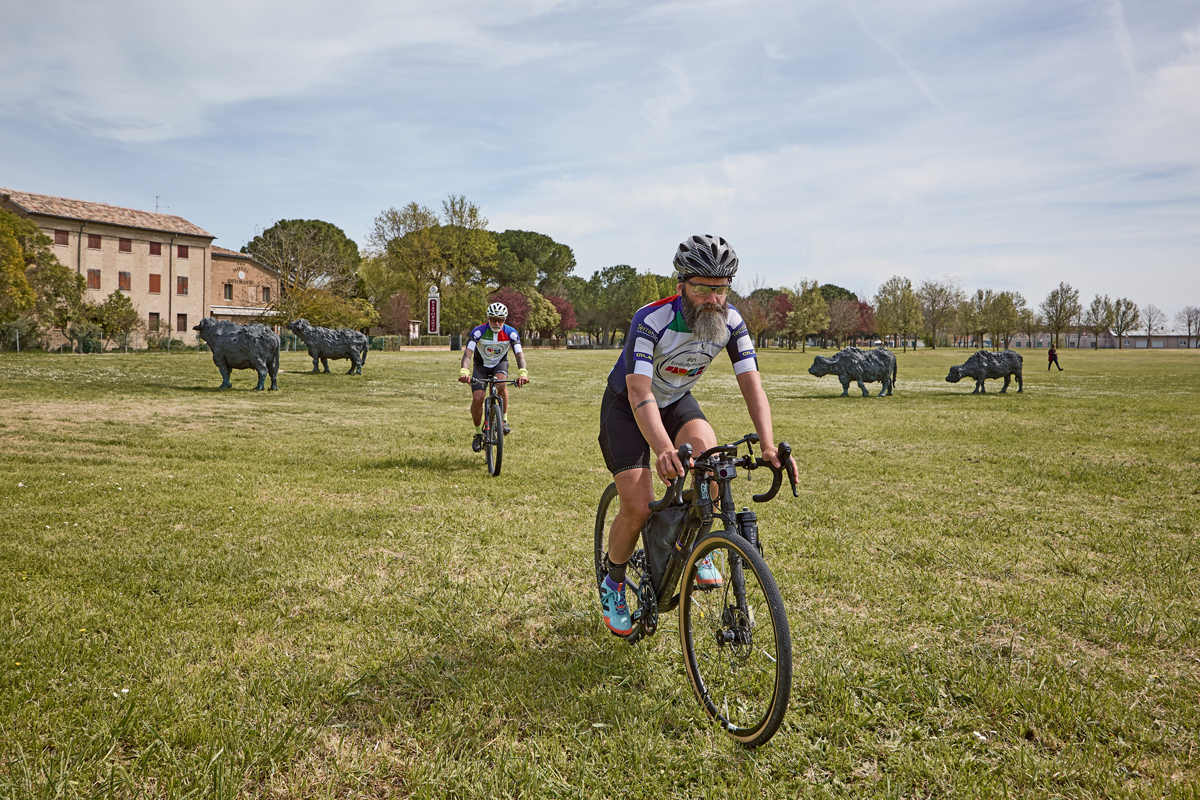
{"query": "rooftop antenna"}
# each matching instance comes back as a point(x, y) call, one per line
point(156, 203)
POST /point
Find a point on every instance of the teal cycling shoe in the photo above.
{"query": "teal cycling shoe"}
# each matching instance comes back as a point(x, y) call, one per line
point(612, 603)
point(708, 576)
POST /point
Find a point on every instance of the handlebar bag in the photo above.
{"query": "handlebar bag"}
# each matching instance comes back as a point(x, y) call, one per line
point(659, 535)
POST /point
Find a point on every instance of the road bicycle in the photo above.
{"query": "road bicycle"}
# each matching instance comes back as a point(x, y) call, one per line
point(493, 425)
point(736, 643)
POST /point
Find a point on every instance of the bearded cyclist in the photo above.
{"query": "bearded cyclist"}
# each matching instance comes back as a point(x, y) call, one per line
point(489, 343)
point(648, 404)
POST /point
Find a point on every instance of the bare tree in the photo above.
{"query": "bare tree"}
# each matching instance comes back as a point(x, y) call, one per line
point(1189, 320)
point(1126, 317)
point(1029, 323)
point(939, 304)
point(1098, 318)
point(1060, 309)
point(754, 311)
point(844, 320)
point(306, 256)
point(1153, 320)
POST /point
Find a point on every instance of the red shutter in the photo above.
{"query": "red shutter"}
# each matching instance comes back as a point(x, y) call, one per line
point(124, 245)
point(183, 251)
point(93, 241)
point(155, 284)
point(124, 281)
point(62, 237)
point(156, 248)
point(93, 279)
point(181, 284)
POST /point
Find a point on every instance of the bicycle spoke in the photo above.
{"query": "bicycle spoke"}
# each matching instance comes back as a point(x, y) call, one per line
point(736, 642)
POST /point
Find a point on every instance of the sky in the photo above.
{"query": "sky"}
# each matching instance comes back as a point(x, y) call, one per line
point(1008, 144)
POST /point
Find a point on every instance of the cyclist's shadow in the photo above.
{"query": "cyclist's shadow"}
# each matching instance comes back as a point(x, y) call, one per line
point(548, 671)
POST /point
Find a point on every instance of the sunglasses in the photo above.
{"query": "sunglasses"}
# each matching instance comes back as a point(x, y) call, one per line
point(496, 320)
point(704, 290)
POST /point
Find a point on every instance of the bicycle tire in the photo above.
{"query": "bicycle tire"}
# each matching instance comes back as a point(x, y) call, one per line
point(636, 574)
point(740, 669)
point(493, 443)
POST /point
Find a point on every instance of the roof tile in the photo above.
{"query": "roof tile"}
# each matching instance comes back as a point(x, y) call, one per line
point(99, 212)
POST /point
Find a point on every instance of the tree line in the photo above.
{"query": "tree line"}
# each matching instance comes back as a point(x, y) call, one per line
point(941, 313)
point(325, 278)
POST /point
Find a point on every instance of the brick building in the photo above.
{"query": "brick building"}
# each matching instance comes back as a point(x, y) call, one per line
point(240, 287)
point(168, 267)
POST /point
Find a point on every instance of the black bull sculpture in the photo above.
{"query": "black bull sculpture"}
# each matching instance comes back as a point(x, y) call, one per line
point(236, 346)
point(326, 343)
point(984, 365)
point(864, 366)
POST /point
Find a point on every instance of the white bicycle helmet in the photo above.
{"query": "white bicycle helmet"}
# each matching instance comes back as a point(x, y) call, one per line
point(707, 256)
point(498, 310)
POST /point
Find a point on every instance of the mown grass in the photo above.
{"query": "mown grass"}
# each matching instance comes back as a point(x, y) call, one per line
point(321, 593)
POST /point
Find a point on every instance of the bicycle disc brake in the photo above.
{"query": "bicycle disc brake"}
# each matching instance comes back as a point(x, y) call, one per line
point(736, 631)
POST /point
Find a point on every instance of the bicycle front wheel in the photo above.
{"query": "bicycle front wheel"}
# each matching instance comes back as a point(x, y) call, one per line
point(736, 642)
point(493, 443)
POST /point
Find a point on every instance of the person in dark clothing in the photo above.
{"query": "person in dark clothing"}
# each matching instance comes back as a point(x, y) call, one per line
point(1052, 359)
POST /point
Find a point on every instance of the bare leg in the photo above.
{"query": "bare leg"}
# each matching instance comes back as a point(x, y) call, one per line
point(477, 407)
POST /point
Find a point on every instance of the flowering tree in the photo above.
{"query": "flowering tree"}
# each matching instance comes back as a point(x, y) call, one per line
point(566, 313)
point(518, 305)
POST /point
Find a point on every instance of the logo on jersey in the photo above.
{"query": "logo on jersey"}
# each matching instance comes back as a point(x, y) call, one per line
point(684, 365)
point(495, 350)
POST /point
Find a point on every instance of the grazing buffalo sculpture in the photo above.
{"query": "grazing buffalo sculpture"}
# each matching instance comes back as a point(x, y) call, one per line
point(984, 365)
point(236, 346)
point(326, 343)
point(864, 366)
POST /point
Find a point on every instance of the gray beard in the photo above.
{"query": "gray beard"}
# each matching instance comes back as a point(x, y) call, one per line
point(707, 325)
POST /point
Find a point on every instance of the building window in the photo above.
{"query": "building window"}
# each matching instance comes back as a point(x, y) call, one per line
point(124, 245)
point(155, 284)
point(266, 294)
point(252, 291)
point(93, 241)
point(125, 281)
point(181, 284)
point(93, 279)
point(181, 322)
point(156, 248)
point(183, 251)
point(62, 237)
point(152, 322)
point(229, 291)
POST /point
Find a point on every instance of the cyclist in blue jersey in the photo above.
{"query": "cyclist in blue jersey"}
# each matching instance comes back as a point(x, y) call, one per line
point(488, 346)
point(648, 404)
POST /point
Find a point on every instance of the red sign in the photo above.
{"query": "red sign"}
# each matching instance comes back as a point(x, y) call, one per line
point(434, 316)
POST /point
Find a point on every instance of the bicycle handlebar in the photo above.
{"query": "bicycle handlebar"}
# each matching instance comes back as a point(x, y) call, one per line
point(785, 458)
point(685, 454)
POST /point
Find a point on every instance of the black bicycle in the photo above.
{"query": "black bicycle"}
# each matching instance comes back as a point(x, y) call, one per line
point(493, 425)
point(737, 646)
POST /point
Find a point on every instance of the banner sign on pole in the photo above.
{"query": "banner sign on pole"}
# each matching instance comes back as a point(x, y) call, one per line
point(435, 311)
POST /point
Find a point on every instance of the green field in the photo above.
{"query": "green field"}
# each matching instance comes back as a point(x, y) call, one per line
point(319, 592)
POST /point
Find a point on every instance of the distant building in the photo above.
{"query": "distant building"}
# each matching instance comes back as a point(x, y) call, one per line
point(241, 288)
point(169, 268)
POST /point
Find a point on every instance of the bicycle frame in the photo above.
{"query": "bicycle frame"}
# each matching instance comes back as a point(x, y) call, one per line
point(717, 465)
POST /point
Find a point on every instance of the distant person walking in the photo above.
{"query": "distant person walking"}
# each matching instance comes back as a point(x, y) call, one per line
point(1052, 359)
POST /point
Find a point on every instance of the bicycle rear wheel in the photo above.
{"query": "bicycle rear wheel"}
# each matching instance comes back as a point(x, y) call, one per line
point(637, 576)
point(736, 642)
point(493, 441)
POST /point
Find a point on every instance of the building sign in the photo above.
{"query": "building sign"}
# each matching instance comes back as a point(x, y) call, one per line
point(434, 320)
